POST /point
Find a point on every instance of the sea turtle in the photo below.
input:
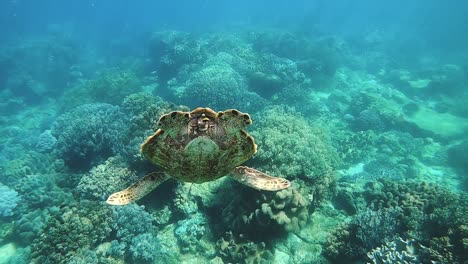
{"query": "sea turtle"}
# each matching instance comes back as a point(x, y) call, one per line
point(199, 146)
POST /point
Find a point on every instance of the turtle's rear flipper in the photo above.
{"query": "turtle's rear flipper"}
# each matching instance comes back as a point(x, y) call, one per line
point(138, 189)
point(258, 180)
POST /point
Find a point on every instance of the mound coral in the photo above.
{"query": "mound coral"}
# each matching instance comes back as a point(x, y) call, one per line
point(286, 210)
point(105, 179)
point(289, 146)
point(238, 249)
point(41, 190)
point(217, 86)
point(110, 86)
point(88, 134)
point(70, 230)
point(8, 200)
point(170, 50)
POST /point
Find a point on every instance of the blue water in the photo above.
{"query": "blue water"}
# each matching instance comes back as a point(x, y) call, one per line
point(357, 152)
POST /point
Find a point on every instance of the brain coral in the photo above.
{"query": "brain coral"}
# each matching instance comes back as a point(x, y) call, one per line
point(289, 146)
point(88, 134)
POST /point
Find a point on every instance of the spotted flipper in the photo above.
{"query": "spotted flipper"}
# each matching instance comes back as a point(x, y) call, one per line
point(258, 180)
point(138, 189)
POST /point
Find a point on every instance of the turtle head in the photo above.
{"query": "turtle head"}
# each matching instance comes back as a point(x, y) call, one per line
point(202, 123)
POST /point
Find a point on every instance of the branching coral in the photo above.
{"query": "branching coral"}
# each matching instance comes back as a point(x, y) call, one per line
point(88, 134)
point(427, 213)
point(29, 163)
point(134, 229)
point(397, 251)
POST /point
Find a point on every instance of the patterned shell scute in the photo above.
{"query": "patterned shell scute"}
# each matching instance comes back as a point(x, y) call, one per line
point(201, 145)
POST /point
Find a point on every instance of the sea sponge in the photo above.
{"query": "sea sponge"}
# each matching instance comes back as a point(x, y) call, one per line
point(88, 134)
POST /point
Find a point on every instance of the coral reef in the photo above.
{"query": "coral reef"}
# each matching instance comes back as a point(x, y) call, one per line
point(105, 179)
point(71, 229)
point(290, 147)
point(397, 251)
point(110, 86)
point(8, 200)
point(46, 142)
point(88, 134)
point(170, 50)
point(40, 191)
point(286, 210)
point(426, 213)
point(31, 224)
point(189, 233)
point(218, 86)
point(234, 249)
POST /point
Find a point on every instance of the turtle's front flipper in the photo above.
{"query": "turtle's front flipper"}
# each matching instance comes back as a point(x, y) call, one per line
point(138, 189)
point(258, 180)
